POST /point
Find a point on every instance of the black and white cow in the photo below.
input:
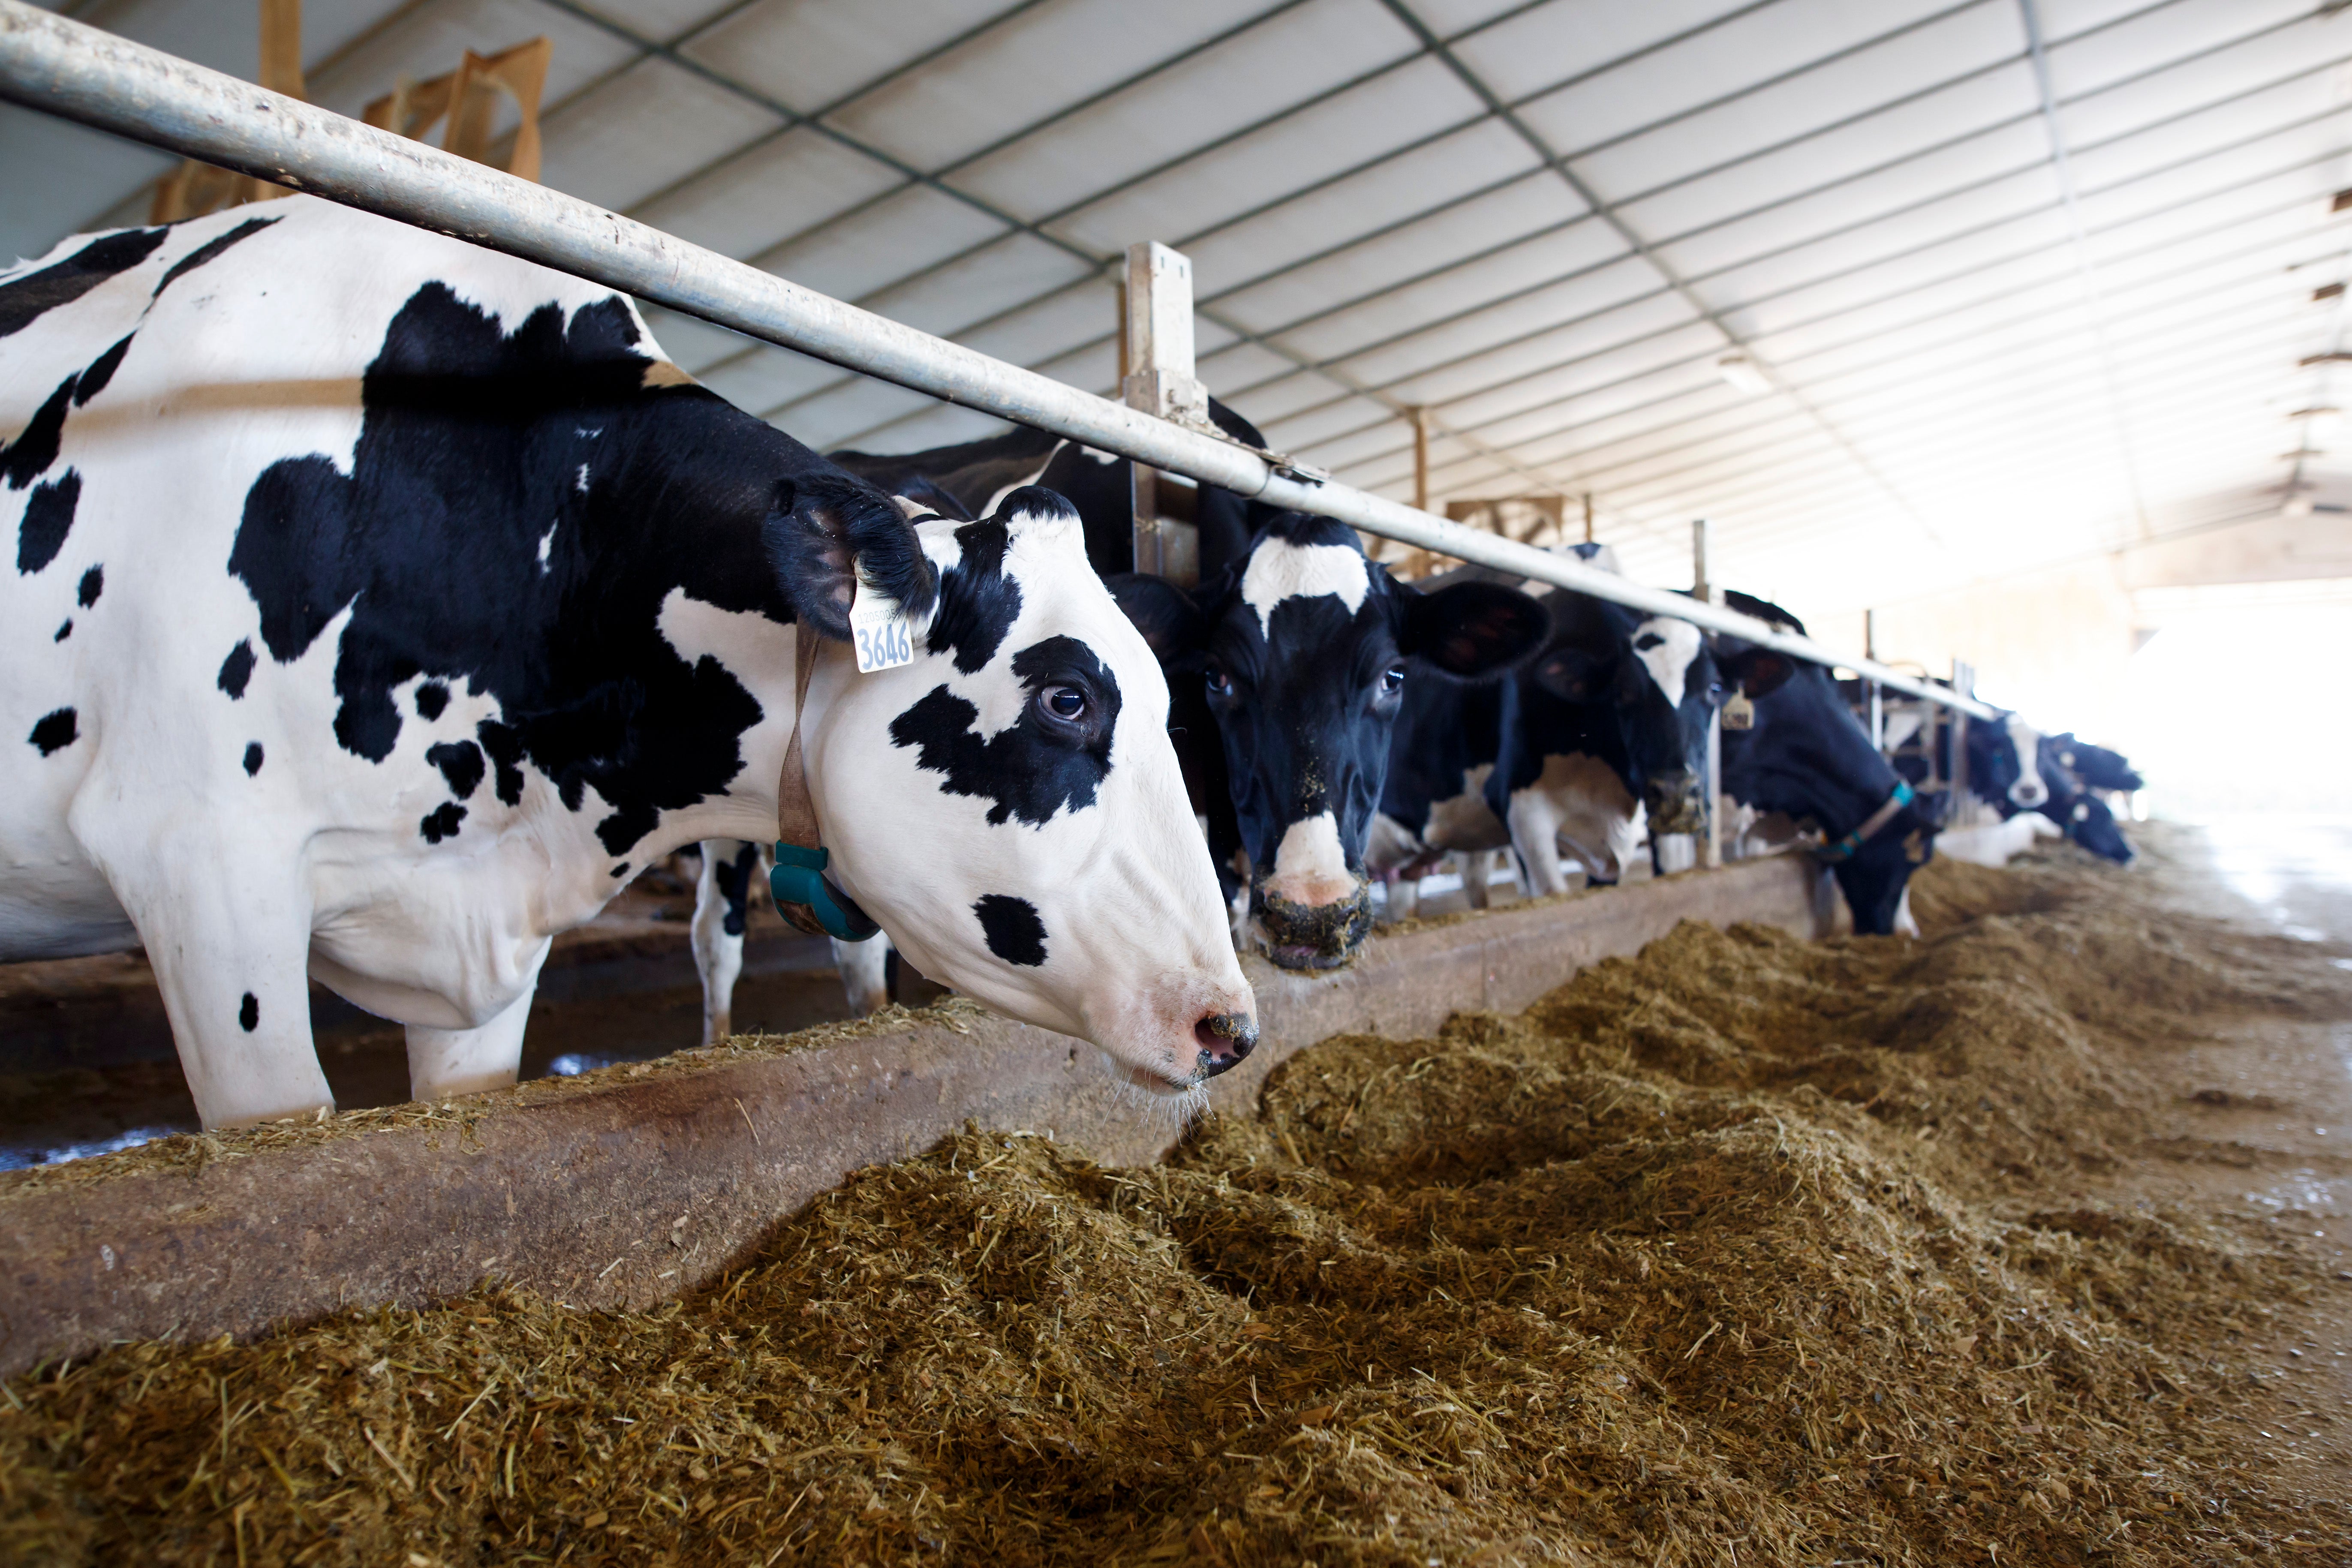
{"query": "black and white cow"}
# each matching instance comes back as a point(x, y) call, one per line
point(1803, 756)
point(381, 603)
point(975, 475)
point(1610, 718)
point(2095, 766)
point(1303, 650)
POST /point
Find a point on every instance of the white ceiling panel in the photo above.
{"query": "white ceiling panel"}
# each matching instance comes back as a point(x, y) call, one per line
point(1986, 178)
point(2158, 37)
point(1844, 88)
point(1294, 56)
point(1084, 312)
point(1569, 309)
point(693, 345)
point(2267, 60)
point(891, 240)
point(1735, 57)
point(1911, 129)
point(1514, 272)
point(1042, 62)
point(1408, 104)
point(1545, 374)
point(765, 377)
point(1392, 192)
point(1540, 47)
point(1390, 260)
point(813, 54)
point(777, 188)
point(652, 126)
point(999, 278)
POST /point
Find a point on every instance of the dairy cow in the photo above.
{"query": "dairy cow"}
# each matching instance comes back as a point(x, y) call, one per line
point(1799, 753)
point(381, 604)
point(1607, 720)
point(1304, 651)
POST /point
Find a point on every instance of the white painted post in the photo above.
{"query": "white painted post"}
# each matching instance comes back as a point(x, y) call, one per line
point(1870, 687)
point(1710, 845)
point(1963, 811)
point(1159, 380)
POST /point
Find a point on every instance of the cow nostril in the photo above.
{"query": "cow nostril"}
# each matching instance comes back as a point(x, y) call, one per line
point(1223, 1039)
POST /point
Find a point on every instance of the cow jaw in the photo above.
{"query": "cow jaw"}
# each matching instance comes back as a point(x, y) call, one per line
point(1064, 883)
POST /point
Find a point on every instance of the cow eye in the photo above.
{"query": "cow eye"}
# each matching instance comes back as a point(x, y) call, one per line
point(1066, 702)
point(1220, 684)
point(1391, 680)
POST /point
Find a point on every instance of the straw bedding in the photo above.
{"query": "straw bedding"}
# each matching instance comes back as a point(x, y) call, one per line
point(1744, 1251)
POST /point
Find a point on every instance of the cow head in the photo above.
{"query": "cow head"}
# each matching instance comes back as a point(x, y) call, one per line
point(1304, 646)
point(1658, 676)
point(2005, 764)
point(1008, 807)
point(2083, 817)
point(1807, 756)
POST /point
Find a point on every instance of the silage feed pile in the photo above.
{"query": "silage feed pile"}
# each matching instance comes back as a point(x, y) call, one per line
point(1740, 1252)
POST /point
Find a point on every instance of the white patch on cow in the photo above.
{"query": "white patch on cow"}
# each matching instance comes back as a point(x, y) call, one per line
point(1901, 727)
point(580, 480)
point(1905, 923)
point(547, 544)
point(1577, 806)
point(1279, 569)
point(2029, 791)
point(1309, 866)
point(1098, 454)
point(1465, 821)
point(1666, 647)
point(751, 647)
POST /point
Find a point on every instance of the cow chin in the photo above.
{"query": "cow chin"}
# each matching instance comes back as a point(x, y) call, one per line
point(1315, 935)
point(1676, 803)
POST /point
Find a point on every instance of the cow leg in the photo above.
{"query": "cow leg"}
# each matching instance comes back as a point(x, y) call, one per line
point(230, 946)
point(864, 973)
point(1404, 898)
point(1535, 834)
point(722, 904)
point(1905, 923)
point(446, 1061)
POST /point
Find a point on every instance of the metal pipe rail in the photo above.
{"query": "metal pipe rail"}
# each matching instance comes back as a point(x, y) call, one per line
point(79, 73)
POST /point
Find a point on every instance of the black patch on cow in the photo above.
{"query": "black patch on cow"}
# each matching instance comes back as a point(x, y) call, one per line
point(1014, 932)
point(733, 877)
point(252, 758)
point(93, 380)
point(56, 729)
point(35, 447)
point(431, 698)
point(504, 744)
point(460, 762)
point(1035, 765)
point(64, 631)
point(248, 1012)
point(469, 449)
point(25, 300)
point(620, 870)
point(211, 248)
point(93, 583)
point(237, 669)
point(443, 822)
point(978, 604)
point(48, 518)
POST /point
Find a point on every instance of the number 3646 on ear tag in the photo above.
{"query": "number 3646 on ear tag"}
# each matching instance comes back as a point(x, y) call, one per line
point(883, 639)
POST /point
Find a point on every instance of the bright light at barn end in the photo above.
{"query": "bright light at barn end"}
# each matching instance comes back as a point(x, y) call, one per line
point(1741, 372)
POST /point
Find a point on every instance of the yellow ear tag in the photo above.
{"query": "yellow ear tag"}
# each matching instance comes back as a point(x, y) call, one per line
point(883, 639)
point(1738, 713)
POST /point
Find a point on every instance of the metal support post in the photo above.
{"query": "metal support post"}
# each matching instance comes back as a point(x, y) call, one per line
point(1158, 380)
point(1872, 692)
point(1710, 843)
point(1964, 683)
point(1420, 417)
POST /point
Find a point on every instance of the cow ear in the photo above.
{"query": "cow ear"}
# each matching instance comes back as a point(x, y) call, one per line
point(1172, 624)
point(821, 527)
point(1761, 672)
point(1571, 675)
point(1472, 628)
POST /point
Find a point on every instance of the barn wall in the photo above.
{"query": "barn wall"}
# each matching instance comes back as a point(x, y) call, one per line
point(2052, 642)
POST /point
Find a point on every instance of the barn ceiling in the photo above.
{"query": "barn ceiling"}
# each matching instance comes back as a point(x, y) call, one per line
point(2013, 281)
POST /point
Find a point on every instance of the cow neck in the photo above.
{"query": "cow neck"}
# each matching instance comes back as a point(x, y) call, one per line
point(1845, 847)
point(796, 807)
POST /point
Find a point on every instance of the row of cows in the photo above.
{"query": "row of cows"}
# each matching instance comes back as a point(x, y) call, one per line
point(382, 605)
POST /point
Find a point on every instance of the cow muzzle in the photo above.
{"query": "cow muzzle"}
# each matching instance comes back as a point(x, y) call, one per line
point(1315, 935)
point(1225, 1039)
point(2029, 793)
point(1676, 803)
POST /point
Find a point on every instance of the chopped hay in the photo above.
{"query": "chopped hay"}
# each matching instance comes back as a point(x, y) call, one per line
point(1741, 1251)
